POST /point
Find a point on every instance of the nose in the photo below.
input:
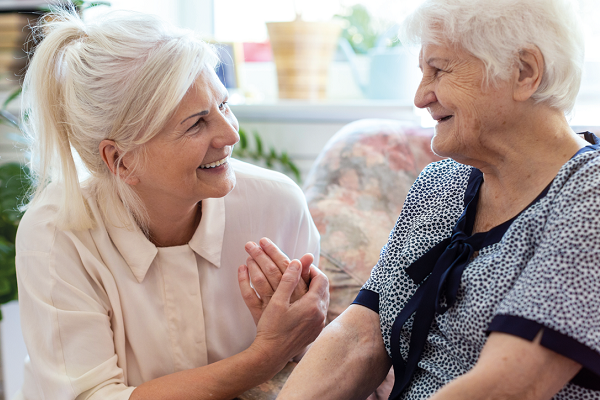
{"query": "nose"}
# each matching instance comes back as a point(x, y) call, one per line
point(425, 94)
point(228, 132)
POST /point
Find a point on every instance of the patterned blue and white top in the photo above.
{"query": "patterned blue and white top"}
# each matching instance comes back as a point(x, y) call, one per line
point(541, 272)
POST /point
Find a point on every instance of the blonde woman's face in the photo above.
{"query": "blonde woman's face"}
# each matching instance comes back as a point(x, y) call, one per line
point(188, 161)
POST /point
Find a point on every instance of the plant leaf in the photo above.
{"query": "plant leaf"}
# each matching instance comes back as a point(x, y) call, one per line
point(243, 139)
point(11, 97)
point(259, 144)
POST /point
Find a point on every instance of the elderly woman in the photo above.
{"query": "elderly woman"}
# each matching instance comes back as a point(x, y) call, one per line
point(488, 287)
point(128, 282)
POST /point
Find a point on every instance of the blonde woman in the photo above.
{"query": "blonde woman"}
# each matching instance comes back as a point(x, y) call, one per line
point(129, 285)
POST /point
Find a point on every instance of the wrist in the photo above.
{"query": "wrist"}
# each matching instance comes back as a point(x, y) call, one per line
point(267, 358)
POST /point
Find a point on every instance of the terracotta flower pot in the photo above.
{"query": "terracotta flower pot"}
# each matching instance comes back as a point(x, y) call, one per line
point(302, 52)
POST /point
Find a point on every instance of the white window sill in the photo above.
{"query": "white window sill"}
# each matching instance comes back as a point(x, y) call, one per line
point(331, 111)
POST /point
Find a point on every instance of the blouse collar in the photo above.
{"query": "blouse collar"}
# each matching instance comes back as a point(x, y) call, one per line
point(139, 253)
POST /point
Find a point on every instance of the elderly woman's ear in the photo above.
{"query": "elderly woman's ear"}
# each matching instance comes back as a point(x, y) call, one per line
point(110, 156)
point(530, 73)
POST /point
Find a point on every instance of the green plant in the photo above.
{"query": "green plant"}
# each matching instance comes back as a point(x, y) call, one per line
point(14, 186)
point(361, 30)
point(270, 157)
point(81, 5)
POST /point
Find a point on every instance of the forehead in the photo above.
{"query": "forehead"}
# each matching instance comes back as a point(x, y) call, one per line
point(442, 50)
point(432, 53)
point(206, 88)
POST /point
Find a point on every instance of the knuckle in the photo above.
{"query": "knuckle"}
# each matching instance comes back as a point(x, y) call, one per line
point(288, 278)
point(272, 269)
point(259, 280)
point(249, 297)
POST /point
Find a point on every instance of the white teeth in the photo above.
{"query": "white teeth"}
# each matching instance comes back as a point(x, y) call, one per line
point(214, 164)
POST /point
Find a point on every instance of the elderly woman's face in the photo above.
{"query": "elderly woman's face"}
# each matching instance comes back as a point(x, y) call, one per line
point(452, 90)
point(188, 160)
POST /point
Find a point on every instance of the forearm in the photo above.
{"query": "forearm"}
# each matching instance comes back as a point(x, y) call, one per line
point(512, 368)
point(347, 361)
point(223, 380)
point(477, 386)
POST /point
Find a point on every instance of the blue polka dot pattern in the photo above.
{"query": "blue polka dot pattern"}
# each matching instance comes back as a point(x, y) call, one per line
point(546, 269)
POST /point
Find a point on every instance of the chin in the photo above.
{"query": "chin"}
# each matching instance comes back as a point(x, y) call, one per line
point(448, 144)
point(226, 187)
point(439, 146)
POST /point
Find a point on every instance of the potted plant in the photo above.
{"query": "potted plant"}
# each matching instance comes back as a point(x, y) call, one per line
point(303, 51)
point(392, 71)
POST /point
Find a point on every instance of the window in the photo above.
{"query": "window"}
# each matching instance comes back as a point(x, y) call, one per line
point(244, 21)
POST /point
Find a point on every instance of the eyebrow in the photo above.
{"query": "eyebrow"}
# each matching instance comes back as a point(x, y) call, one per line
point(432, 59)
point(429, 60)
point(200, 114)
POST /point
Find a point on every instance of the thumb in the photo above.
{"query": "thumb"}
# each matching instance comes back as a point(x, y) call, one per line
point(306, 261)
point(288, 282)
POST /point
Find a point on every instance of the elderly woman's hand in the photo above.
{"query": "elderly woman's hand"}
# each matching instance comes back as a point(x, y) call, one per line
point(264, 270)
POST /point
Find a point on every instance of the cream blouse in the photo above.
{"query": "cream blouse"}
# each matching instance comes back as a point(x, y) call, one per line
point(105, 310)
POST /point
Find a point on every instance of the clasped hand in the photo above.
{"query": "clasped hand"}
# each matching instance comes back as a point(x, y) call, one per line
point(287, 299)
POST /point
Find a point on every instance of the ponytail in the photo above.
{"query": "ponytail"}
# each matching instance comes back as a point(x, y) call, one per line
point(46, 126)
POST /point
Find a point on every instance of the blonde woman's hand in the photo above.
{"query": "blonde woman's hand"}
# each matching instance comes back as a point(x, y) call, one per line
point(264, 269)
point(285, 328)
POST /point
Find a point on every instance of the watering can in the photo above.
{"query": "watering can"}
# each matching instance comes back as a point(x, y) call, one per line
point(393, 72)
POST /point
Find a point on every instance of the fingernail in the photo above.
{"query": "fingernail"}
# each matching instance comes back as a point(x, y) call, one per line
point(294, 265)
point(250, 245)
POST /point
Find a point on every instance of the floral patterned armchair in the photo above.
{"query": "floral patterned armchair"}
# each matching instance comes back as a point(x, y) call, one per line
point(355, 192)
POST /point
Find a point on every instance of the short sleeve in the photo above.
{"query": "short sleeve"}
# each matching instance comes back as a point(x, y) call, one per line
point(559, 287)
point(65, 319)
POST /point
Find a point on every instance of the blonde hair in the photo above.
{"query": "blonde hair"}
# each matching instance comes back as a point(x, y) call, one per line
point(495, 31)
point(120, 77)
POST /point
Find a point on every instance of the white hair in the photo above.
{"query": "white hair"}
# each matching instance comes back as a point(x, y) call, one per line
point(120, 77)
point(495, 31)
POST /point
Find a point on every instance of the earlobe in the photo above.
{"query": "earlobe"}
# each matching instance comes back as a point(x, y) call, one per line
point(110, 156)
point(530, 73)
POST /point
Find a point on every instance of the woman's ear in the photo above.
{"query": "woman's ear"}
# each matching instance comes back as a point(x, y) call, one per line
point(530, 73)
point(110, 156)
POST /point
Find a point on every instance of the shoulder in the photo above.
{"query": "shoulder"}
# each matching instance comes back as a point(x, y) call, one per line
point(443, 172)
point(581, 172)
point(252, 180)
point(38, 227)
point(439, 183)
point(577, 184)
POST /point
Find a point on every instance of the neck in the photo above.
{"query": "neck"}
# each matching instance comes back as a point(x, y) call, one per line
point(173, 227)
point(519, 163)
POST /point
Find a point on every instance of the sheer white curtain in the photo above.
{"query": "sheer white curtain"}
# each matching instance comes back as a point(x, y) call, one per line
point(193, 14)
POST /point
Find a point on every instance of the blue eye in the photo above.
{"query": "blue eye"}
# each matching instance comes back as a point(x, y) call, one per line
point(223, 106)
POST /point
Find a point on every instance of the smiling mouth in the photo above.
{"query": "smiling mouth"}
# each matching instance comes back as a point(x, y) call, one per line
point(214, 164)
point(446, 118)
